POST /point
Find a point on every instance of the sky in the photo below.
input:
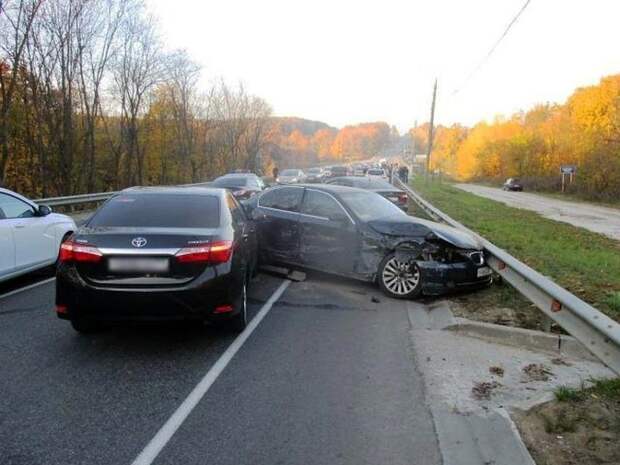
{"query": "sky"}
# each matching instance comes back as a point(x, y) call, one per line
point(346, 62)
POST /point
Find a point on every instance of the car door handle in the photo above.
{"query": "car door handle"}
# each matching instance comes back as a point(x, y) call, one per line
point(20, 226)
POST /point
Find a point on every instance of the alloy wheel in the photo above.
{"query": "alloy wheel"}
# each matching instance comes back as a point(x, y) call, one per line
point(399, 278)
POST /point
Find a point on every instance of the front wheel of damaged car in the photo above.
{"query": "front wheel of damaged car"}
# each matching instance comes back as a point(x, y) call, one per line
point(398, 279)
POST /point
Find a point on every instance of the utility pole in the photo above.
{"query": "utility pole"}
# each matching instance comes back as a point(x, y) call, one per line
point(415, 126)
point(430, 131)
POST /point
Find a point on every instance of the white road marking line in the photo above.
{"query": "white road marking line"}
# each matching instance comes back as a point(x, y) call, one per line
point(22, 289)
point(165, 433)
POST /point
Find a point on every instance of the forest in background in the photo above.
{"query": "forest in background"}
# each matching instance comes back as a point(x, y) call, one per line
point(584, 131)
point(91, 100)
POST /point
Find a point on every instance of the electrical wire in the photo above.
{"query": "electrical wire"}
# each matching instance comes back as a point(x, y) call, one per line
point(488, 55)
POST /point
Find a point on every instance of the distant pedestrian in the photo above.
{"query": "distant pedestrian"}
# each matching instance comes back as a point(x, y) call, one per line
point(275, 172)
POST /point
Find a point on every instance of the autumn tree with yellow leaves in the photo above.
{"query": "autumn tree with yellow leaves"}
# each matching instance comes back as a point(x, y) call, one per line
point(585, 131)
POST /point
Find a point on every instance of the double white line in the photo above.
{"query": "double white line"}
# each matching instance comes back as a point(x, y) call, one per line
point(165, 433)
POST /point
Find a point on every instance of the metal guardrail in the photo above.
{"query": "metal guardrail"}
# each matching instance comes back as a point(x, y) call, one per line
point(596, 331)
point(75, 199)
point(89, 198)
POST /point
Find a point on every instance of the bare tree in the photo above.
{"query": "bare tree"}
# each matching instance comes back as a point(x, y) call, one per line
point(96, 32)
point(16, 20)
point(138, 68)
point(183, 74)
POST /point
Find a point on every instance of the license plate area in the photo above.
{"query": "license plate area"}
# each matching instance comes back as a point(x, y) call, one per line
point(131, 265)
point(484, 272)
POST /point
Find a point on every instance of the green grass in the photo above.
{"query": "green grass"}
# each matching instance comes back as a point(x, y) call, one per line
point(608, 389)
point(585, 263)
point(568, 394)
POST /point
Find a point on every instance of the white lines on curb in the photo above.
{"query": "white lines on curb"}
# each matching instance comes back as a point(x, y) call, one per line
point(22, 289)
point(165, 433)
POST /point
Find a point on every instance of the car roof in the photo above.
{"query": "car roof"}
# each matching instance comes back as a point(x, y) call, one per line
point(16, 195)
point(174, 190)
point(238, 175)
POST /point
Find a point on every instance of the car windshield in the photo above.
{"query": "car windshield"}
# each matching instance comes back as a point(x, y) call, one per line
point(290, 173)
point(369, 206)
point(232, 181)
point(158, 211)
point(375, 172)
point(314, 170)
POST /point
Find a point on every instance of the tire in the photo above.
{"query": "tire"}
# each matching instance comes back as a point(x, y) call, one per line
point(397, 283)
point(239, 322)
point(85, 326)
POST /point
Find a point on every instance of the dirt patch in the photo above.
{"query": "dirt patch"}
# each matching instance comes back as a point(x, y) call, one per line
point(582, 431)
point(498, 304)
point(484, 389)
point(536, 372)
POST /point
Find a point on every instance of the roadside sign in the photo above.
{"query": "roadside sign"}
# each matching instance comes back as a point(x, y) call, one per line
point(568, 169)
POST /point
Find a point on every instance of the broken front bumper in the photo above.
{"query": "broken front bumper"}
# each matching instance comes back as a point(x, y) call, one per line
point(440, 278)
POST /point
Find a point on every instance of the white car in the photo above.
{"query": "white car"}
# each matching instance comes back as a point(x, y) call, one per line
point(30, 235)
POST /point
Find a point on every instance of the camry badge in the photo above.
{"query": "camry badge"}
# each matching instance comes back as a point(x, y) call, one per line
point(138, 242)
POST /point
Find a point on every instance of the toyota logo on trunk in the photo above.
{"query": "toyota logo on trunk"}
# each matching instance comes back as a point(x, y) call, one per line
point(138, 242)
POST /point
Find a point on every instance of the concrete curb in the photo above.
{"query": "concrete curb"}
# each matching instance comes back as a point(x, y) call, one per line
point(480, 438)
point(558, 344)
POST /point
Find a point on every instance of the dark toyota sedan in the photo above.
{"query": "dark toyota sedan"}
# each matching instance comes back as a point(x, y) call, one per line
point(381, 186)
point(360, 234)
point(163, 253)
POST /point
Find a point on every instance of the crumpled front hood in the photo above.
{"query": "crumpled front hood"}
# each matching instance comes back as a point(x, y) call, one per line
point(402, 225)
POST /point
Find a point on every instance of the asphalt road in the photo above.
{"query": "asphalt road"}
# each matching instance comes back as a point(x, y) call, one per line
point(327, 377)
point(595, 218)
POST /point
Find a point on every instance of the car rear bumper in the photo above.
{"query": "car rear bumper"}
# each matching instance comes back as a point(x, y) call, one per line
point(197, 301)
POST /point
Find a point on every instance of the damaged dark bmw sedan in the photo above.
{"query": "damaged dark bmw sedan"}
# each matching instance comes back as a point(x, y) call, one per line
point(360, 234)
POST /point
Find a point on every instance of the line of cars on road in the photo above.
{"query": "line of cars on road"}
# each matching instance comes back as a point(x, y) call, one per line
point(189, 253)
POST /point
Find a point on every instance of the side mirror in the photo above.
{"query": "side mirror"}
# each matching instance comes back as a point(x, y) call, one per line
point(44, 210)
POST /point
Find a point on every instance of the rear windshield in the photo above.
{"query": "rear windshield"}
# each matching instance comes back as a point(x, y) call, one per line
point(314, 170)
point(290, 172)
point(236, 181)
point(369, 206)
point(159, 211)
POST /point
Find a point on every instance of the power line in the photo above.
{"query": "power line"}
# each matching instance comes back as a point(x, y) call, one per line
point(488, 55)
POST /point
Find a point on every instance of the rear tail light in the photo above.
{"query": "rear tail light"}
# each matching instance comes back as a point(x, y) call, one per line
point(71, 251)
point(223, 309)
point(214, 253)
point(62, 309)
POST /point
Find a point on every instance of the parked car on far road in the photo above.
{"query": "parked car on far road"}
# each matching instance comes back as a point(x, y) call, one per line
point(360, 234)
point(291, 176)
point(512, 184)
point(30, 235)
point(158, 254)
